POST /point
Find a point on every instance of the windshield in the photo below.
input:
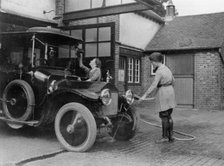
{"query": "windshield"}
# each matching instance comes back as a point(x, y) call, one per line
point(53, 54)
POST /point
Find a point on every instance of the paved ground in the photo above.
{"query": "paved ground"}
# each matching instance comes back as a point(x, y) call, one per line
point(206, 150)
point(206, 126)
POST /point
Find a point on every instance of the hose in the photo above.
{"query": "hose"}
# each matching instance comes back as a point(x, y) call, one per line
point(153, 124)
point(177, 132)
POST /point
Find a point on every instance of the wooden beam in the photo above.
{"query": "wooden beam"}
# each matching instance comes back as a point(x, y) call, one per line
point(105, 11)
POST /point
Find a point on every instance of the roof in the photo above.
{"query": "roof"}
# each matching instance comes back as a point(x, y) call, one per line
point(190, 32)
point(46, 34)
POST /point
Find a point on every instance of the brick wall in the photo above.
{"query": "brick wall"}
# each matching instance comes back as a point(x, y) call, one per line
point(146, 78)
point(208, 84)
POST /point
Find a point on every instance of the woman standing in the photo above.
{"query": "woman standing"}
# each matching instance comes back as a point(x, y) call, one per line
point(163, 83)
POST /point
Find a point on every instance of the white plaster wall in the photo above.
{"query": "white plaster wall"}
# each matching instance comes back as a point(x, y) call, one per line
point(30, 8)
point(136, 30)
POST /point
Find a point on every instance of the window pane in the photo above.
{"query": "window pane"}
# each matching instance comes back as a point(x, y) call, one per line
point(77, 33)
point(122, 63)
point(16, 55)
point(128, 1)
point(74, 5)
point(36, 51)
point(91, 50)
point(73, 53)
point(130, 70)
point(91, 35)
point(67, 32)
point(137, 71)
point(113, 2)
point(97, 3)
point(63, 51)
point(105, 34)
point(104, 49)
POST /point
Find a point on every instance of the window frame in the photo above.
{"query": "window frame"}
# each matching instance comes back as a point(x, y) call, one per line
point(134, 81)
point(98, 26)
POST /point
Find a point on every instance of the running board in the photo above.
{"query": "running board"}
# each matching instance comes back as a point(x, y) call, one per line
point(30, 123)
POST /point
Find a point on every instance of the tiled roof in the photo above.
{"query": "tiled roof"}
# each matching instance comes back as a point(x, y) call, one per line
point(190, 32)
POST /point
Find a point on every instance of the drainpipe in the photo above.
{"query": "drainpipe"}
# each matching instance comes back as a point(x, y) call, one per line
point(221, 54)
point(59, 11)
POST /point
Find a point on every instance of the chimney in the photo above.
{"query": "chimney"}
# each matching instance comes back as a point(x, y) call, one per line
point(170, 11)
point(59, 11)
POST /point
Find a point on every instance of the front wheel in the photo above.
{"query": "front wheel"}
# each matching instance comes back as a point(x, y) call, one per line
point(75, 127)
point(125, 125)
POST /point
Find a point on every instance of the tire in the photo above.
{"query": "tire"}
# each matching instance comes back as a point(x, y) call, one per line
point(125, 125)
point(79, 136)
point(22, 100)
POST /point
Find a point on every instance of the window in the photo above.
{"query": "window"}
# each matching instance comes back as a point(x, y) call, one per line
point(76, 5)
point(100, 41)
point(97, 40)
point(133, 70)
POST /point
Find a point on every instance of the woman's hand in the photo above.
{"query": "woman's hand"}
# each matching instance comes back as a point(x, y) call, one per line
point(141, 99)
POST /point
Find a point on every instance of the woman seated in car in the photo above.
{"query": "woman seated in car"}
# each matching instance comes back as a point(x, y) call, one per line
point(94, 73)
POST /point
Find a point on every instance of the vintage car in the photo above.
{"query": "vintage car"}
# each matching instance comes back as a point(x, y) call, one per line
point(37, 90)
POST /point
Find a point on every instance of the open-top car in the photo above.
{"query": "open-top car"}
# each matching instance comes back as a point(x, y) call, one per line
point(38, 87)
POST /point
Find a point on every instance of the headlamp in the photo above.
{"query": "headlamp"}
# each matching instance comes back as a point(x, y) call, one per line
point(105, 96)
point(53, 86)
point(129, 95)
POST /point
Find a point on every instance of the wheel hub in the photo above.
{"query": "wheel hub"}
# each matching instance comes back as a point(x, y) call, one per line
point(70, 129)
point(12, 101)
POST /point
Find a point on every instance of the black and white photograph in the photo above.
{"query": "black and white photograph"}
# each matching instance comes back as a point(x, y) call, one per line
point(111, 83)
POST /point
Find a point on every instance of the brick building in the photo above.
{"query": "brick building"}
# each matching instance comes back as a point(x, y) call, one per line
point(116, 31)
point(120, 32)
point(193, 49)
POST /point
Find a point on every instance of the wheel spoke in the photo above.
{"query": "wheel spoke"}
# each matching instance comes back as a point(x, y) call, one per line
point(74, 128)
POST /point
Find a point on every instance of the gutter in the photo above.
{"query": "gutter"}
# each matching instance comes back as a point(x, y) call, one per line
point(151, 15)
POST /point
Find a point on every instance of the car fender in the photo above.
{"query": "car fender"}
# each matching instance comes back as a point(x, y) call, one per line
point(58, 98)
point(86, 94)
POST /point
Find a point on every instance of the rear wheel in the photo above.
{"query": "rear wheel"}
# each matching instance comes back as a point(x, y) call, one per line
point(125, 125)
point(75, 127)
point(18, 102)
